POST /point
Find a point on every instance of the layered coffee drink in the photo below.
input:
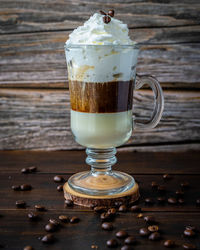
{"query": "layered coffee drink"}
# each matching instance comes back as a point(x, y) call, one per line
point(101, 81)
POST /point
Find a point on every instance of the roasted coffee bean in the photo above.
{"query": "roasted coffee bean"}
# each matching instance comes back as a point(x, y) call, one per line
point(58, 178)
point(33, 216)
point(50, 227)
point(130, 240)
point(154, 184)
point(189, 246)
point(107, 226)
point(169, 243)
point(126, 247)
point(185, 184)
point(100, 209)
point(111, 13)
point(118, 203)
point(172, 200)
point(28, 248)
point(102, 12)
point(25, 187)
point(32, 169)
point(63, 218)
point(20, 204)
point(154, 236)
point(106, 19)
point(167, 177)
point(112, 243)
point(16, 188)
point(112, 211)
point(135, 209)
point(25, 171)
point(106, 217)
point(161, 199)
point(189, 233)
point(144, 232)
point(179, 193)
point(140, 215)
point(149, 201)
point(153, 228)
point(48, 238)
point(181, 201)
point(121, 234)
point(60, 188)
point(149, 219)
point(40, 208)
point(161, 188)
point(54, 222)
point(122, 208)
point(193, 228)
point(198, 202)
point(74, 219)
point(69, 203)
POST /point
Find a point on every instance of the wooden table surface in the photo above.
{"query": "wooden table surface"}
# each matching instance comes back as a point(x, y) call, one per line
point(16, 231)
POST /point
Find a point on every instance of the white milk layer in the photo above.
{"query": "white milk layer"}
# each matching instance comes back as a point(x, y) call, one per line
point(101, 130)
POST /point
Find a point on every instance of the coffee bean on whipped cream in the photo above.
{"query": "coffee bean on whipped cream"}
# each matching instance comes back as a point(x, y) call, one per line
point(111, 13)
point(102, 12)
point(106, 19)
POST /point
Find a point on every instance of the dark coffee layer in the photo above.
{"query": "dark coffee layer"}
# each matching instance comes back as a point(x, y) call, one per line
point(107, 97)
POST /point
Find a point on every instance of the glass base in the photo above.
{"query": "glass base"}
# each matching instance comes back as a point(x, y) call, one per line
point(101, 180)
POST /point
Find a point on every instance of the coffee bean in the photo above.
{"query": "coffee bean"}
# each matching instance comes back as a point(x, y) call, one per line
point(172, 200)
point(112, 211)
point(106, 217)
point(140, 215)
point(28, 248)
point(25, 187)
point(24, 170)
point(32, 169)
point(149, 201)
point(169, 243)
point(181, 201)
point(179, 193)
point(107, 226)
point(60, 188)
point(16, 188)
point(122, 208)
point(50, 227)
point(149, 219)
point(198, 202)
point(154, 184)
point(40, 208)
point(130, 240)
point(161, 199)
point(20, 204)
point(161, 188)
point(125, 247)
point(193, 228)
point(121, 234)
point(69, 203)
point(102, 12)
point(54, 222)
point(189, 233)
point(58, 178)
point(100, 209)
point(106, 19)
point(144, 232)
point(64, 218)
point(135, 209)
point(118, 203)
point(189, 246)
point(33, 216)
point(111, 13)
point(167, 177)
point(48, 238)
point(74, 219)
point(112, 243)
point(153, 228)
point(185, 184)
point(154, 236)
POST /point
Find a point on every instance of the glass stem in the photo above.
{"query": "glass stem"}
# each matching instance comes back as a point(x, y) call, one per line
point(101, 160)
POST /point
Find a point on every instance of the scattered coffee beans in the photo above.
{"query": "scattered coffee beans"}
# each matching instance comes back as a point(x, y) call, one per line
point(112, 243)
point(179, 193)
point(112, 211)
point(74, 219)
point(193, 228)
point(50, 227)
point(154, 236)
point(135, 209)
point(32, 169)
point(118, 203)
point(20, 204)
point(54, 222)
point(144, 232)
point(153, 228)
point(172, 200)
point(169, 243)
point(28, 248)
point(161, 199)
point(122, 208)
point(121, 234)
point(154, 184)
point(24, 170)
point(140, 215)
point(69, 203)
point(64, 218)
point(149, 201)
point(33, 216)
point(161, 188)
point(185, 184)
point(181, 201)
point(60, 188)
point(25, 187)
point(189, 246)
point(16, 188)
point(58, 178)
point(149, 219)
point(106, 217)
point(189, 233)
point(48, 238)
point(100, 209)
point(130, 240)
point(167, 177)
point(40, 208)
point(107, 226)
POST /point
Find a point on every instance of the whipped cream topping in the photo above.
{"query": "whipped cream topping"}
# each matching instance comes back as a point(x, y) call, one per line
point(96, 32)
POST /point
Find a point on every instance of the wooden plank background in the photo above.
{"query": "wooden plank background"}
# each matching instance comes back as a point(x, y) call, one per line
point(34, 96)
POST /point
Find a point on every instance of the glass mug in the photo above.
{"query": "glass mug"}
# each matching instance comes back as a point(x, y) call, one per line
point(101, 84)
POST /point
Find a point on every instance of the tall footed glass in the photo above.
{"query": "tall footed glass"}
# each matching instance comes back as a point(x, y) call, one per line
point(101, 83)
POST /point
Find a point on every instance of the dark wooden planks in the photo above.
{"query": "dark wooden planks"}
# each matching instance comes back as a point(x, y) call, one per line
point(68, 162)
point(40, 119)
point(26, 16)
point(44, 191)
point(88, 232)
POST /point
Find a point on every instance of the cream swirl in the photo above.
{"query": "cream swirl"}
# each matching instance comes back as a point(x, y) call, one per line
point(96, 32)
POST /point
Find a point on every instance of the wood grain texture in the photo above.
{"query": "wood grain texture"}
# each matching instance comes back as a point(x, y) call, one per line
point(26, 16)
point(40, 119)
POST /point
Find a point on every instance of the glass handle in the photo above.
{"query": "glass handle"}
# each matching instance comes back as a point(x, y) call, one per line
point(158, 102)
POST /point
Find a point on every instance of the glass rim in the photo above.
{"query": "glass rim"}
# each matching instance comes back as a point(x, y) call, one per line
point(123, 46)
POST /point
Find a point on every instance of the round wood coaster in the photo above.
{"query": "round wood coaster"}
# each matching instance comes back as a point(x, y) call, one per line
point(109, 200)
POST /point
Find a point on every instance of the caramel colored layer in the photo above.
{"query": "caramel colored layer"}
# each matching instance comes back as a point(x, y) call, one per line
point(104, 97)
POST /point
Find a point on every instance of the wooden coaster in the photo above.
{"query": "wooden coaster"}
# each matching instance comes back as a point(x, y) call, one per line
point(80, 199)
